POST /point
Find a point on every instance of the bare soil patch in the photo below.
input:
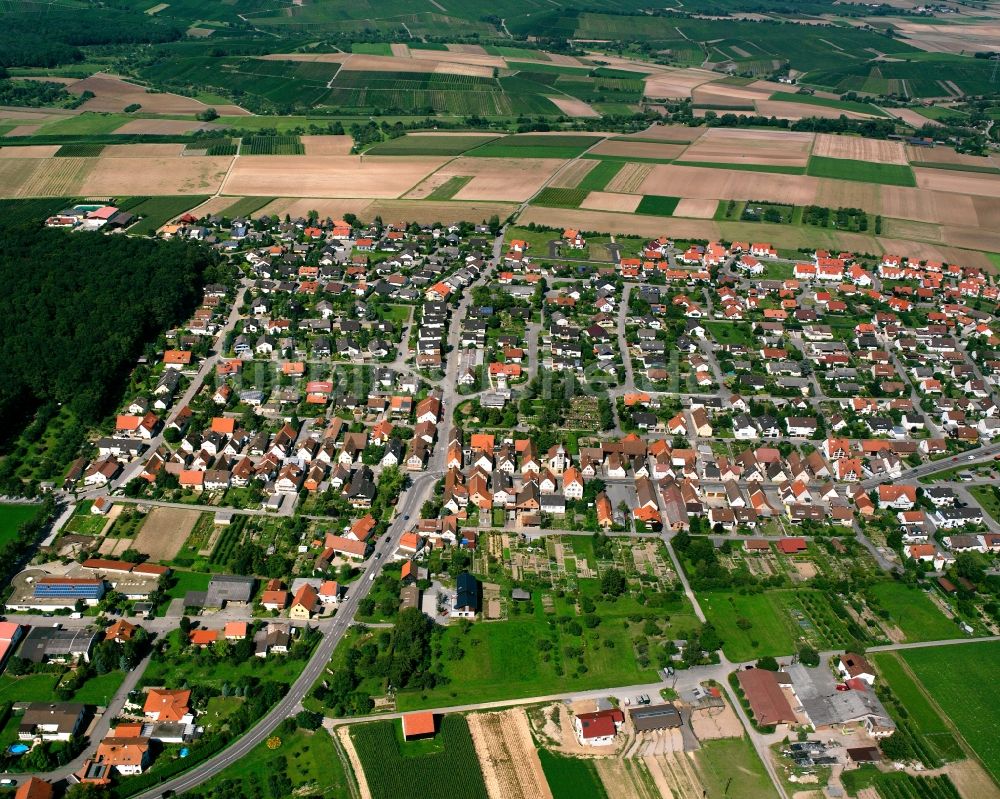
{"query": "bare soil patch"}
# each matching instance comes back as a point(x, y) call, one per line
point(30, 151)
point(23, 130)
point(142, 150)
point(911, 117)
point(153, 176)
point(609, 201)
point(444, 211)
point(858, 149)
point(696, 209)
point(972, 780)
point(638, 149)
point(678, 83)
point(507, 755)
point(328, 176)
point(788, 110)
point(677, 180)
point(573, 107)
point(344, 736)
point(670, 133)
point(715, 722)
point(936, 206)
point(513, 179)
point(164, 532)
point(983, 185)
point(734, 146)
point(331, 207)
point(617, 222)
point(114, 94)
point(327, 145)
point(946, 155)
point(400, 49)
point(571, 176)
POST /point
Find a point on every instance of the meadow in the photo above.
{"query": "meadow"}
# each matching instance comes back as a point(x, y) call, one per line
point(771, 631)
point(956, 677)
point(392, 768)
point(913, 612)
point(12, 517)
point(730, 765)
point(861, 171)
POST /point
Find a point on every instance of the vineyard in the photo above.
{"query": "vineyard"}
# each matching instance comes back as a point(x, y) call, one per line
point(80, 150)
point(391, 773)
point(560, 198)
point(272, 145)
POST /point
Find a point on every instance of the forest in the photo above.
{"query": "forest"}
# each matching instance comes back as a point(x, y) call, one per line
point(78, 309)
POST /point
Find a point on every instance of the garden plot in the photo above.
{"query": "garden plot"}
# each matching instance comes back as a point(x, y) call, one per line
point(164, 532)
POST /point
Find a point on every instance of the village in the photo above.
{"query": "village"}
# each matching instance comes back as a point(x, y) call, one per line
point(505, 426)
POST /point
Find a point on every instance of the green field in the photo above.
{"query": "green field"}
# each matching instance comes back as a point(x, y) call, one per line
point(921, 719)
point(311, 761)
point(779, 169)
point(826, 102)
point(560, 198)
point(771, 633)
point(157, 211)
point(246, 206)
point(187, 581)
point(12, 517)
point(600, 176)
point(862, 171)
point(449, 188)
point(371, 48)
point(958, 678)
point(657, 205)
point(272, 145)
point(429, 145)
point(730, 767)
point(535, 146)
point(40, 687)
point(393, 768)
point(571, 777)
point(913, 612)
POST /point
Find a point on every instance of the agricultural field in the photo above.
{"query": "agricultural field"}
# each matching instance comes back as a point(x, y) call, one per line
point(508, 755)
point(600, 176)
point(157, 211)
point(973, 710)
point(272, 145)
point(571, 777)
point(560, 198)
point(732, 764)
point(392, 766)
point(861, 171)
point(429, 145)
point(657, 205)
point(535, 146)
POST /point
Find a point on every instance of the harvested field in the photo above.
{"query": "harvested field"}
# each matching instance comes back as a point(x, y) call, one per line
point(480, 59)
point(946, 155)
point(48, 177)
point(972, 780)
point(400, 50)
point(609, 201)
point(850, 194)
point(678, 180)
point(679, 83)
point(794, 111)
point(327, 176)
point(734, 146)
point(164, 532)
point(938, 252)
point(638, 149)
point(114, 94)
point(934, 206)
point(696, 209)
point(327, 145)
point(616, 222)
point(23, 130)
point(513, 179)
point(30, 151)
point(674, 775)
point(466, 48)
point(154, 176)
point(669, 133)
point(142, 150)
point(630, 178)
point(571, 176)
point(911, 117)
point(970, 238)
point(626, 778)
point(572, 107)
point(730, 94)
point(331, 207)
point(168, 127)
point(855, 148)
point(431, 61)
point(987, 212)
point(983, 185)
point(507, 755)
point(444, 211)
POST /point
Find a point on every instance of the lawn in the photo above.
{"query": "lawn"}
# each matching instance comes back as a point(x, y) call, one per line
point(571, 777)
point(40, 687)
point(100, 689)
point(11, 519)
point(730, 767)
point(311, 760)
point(187, 581)
point(988, 498)
point(730, 333)
point(913, 612)
point(958, 678)
point(771, 631)
point(862, 171)
point(392, 769)
point(657, 205)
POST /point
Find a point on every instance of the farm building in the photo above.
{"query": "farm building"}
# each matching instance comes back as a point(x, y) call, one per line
point(767, 699)
point(418, 725)
point(655, 717)
point(600, 728)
